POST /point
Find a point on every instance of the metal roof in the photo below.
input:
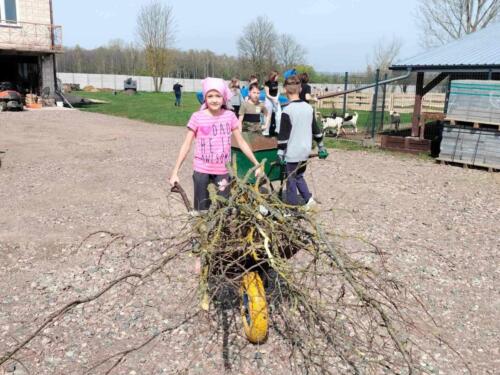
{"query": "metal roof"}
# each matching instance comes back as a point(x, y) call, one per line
point(479, 50)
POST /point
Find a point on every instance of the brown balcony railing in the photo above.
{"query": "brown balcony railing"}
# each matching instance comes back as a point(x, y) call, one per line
point(28, 36)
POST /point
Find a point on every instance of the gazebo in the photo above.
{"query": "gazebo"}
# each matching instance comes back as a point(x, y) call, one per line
point(475, 56)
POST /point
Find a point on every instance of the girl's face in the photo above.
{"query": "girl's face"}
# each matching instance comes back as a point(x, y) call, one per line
point(254, 95)
point(214, 101)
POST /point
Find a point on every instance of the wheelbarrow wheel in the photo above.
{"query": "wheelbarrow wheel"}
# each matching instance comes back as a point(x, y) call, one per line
point(254, 312)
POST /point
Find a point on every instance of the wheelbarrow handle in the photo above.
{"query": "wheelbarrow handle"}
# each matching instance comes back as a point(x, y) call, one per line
point(311, 156)
point(177, 188)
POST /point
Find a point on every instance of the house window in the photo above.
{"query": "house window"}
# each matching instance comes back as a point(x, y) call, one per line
point(8, 11)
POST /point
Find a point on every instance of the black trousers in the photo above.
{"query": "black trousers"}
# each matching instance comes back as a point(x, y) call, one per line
point(201, 182)
point(236, 110)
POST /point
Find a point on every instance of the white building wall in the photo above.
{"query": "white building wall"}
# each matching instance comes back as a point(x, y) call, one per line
point(34, 11)
point(31, 32)
point(115, 82)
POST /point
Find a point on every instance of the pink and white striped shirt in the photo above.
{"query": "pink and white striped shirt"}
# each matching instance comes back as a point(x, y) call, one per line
point(213, 140)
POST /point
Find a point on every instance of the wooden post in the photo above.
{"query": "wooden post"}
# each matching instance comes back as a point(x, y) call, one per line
point(381, 126)
point(447, 96)
point(417, 108)
point(374, 103)
point(346, 82)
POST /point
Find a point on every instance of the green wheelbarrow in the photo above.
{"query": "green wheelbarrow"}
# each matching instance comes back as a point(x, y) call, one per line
point(263, 148)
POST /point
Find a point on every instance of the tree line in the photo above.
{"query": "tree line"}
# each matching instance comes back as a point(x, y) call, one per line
point(118, 57)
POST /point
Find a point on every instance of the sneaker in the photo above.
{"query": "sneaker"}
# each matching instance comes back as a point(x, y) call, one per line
point(311, 205)
point(265, 133)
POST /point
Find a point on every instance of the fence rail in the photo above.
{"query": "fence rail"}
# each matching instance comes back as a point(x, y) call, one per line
point(31, 36)
point(145, 83)
point(402, 103)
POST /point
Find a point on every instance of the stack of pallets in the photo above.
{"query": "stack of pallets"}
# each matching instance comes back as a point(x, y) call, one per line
point(471, 135)
point(475, 103)
point(469, 146)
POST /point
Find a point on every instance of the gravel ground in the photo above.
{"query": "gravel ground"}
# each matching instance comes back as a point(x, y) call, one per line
point(67, 174)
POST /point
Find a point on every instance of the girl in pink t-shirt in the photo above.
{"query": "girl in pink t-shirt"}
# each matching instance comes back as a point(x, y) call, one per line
point(212, 127)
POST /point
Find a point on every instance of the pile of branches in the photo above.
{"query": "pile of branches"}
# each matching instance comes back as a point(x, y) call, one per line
point(335, 311)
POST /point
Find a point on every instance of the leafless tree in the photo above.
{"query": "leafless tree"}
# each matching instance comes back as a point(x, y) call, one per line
point(257, 45)
point(155, 28)
point(289, 52)
point(385, 53)
point(445, 20)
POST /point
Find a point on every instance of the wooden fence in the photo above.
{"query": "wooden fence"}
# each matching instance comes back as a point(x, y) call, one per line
point(402, 103)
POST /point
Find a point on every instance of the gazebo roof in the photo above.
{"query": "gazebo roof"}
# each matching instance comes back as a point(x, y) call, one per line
point(473, 52)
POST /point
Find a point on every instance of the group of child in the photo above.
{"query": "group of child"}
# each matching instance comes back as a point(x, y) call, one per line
point(226, 112)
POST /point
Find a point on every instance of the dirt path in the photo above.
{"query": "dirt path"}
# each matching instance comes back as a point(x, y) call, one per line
point(66, 174)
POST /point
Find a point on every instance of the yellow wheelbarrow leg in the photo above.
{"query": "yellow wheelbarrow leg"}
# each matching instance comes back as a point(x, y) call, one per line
point(254, 312)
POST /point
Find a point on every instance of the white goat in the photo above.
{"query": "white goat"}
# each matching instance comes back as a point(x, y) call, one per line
point(331, 124)
point(351, 120)
point(337, 124)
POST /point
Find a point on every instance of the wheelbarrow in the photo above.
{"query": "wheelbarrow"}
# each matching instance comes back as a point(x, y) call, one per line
point(265, 149)
point(253, 301)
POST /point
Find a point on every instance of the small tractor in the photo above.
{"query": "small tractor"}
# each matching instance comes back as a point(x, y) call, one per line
point(10, 98)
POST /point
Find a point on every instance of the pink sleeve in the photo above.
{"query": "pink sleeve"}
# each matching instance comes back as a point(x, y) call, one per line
point(193, 123)
point(234, 121)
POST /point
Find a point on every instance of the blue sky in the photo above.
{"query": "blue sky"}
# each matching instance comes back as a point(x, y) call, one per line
point(339, 35)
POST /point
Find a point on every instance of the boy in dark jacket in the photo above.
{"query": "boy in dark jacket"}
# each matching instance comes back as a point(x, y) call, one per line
point(297, 131)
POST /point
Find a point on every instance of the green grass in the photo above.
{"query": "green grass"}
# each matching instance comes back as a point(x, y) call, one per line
point(157, 108)
point(344, 144)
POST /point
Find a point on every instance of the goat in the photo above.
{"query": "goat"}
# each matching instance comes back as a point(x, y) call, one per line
point(351, 120)
point(332, 123)
point(395, 119)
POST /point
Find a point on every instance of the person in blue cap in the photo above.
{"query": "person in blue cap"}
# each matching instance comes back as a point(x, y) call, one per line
point(290, 72)
point(199, 96)
point(244, 90)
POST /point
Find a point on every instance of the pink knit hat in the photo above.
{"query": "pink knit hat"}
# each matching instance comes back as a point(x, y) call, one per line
point(217, 84)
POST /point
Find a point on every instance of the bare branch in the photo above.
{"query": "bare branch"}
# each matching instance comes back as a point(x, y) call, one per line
point(385, 53)
point(68, 307)
point(445, 20)
point(155, 29)
point(289, 52)
point(257, 44)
